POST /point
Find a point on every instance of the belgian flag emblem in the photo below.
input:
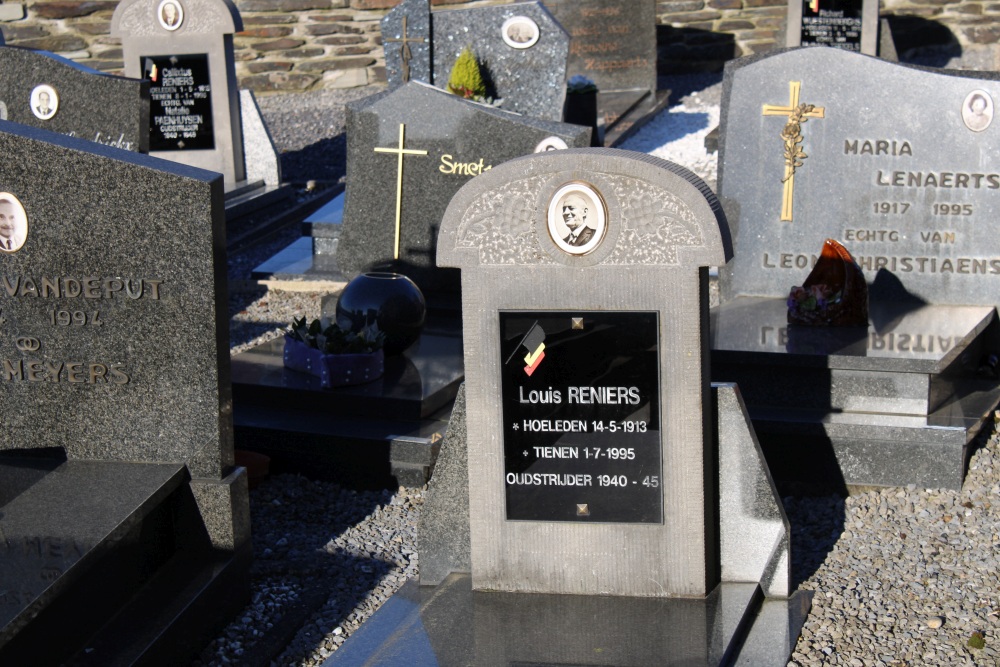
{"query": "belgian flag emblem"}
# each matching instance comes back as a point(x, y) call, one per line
point(534, 343)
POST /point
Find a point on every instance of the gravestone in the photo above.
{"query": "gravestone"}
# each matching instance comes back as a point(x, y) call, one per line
point(905, 178)
point(184, 48)
point(124, 524)
point(614, 44)
point(78, 101)
point(852, 25)
point(408, 151)
point(522, 49)
point(406, 36)
point(582, 478)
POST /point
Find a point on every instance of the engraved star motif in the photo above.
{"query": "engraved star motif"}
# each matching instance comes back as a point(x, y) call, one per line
point(526, 452)
point(514, 427)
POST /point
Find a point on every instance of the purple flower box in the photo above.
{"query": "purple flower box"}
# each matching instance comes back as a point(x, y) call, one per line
point(333, 370)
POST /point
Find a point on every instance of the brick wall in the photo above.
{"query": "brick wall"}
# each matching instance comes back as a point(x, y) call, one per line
point(294, 45)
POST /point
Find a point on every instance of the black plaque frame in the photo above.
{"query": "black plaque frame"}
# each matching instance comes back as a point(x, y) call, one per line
point(836, 23)
point(179, 89)
point(581, 416)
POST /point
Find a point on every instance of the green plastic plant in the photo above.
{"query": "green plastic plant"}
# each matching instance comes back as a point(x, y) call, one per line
point(466, 78)
point(331, 339)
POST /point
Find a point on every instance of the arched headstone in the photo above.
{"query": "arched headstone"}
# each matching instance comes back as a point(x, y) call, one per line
point(185, 49)
point(584, 298)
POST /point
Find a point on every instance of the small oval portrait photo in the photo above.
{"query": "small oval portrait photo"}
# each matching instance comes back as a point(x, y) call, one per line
point(13, 223)
point(977, 110)
point(577, 218)
point(171, 14)
point(44, 101)
point(520, 32)
point(551, 144)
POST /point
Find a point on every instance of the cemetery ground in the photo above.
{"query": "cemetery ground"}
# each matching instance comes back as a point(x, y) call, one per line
point(901, 576)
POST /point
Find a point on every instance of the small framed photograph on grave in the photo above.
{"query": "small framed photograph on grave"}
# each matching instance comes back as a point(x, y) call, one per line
point(520, 32)
point(577, 218)
point(13, 223)
point(551, 144)
point(977, 110)
point(44, 101)
point(171, 14)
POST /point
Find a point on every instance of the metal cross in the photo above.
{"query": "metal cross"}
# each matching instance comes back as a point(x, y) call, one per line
point(792, 135)
point(405, 55)
point(400, 151)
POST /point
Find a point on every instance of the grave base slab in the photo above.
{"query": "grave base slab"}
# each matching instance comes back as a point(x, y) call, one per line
point(450, 624)
point(133, 575)
point(897, 403)
point(359, 435)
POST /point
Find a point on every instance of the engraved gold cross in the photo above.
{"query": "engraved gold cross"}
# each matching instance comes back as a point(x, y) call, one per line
point(405, 55)
point(796, 114)
point(400, 151)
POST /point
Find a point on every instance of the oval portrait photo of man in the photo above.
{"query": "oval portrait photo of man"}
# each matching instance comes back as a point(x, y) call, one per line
point(577, 218)
point(171, 15)
point(13, 223)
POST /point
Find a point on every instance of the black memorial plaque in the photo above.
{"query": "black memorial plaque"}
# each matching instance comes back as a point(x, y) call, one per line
point(180, 102)
point(581, 416)
point(834, 23)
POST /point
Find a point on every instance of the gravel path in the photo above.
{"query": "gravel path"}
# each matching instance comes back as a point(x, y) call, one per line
point(903, 577)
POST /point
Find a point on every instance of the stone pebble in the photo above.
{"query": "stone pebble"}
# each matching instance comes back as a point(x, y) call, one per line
point(883, 564)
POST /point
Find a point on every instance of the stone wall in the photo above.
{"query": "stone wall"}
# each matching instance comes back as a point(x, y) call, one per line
point(295, 45)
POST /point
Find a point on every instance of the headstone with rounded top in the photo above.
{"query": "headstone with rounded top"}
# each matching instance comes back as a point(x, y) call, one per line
point(185, 49)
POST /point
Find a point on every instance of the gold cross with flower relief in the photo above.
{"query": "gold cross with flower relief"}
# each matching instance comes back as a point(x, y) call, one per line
point(796, 114)
point(400, 151)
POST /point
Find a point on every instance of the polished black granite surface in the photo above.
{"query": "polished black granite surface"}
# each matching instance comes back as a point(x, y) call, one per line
point(56, 519)
point(416, 384)
point(450, 624)
point(920, 338)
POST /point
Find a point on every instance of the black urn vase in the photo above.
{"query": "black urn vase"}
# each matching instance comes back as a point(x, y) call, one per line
point(390, 300)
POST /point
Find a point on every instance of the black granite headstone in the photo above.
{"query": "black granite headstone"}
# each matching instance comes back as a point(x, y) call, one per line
point(116, 427)
point(408, 152)
point(50, 92)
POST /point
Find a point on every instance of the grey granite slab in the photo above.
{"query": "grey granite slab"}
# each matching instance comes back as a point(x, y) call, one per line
point(406, 37)
point(754, 533)
point(189, 59)
point(443, 531)
point(260, 153)
point(452, 140)
point(451, 624)
point(112, 268)
point(529, 76)
point(83, 102)
point(612, 43)
point(899, 168)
